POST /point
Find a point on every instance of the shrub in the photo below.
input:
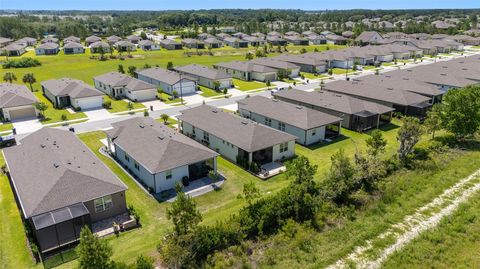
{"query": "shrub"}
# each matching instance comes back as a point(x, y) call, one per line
point(134, 213)
point(107, 104)
point(213, 175)
point(21, 63)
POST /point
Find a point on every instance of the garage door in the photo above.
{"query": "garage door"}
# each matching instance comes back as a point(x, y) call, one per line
point(27, 112)
point(89, 103)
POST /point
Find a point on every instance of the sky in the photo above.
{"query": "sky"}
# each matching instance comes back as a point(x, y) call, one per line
point(217, 4)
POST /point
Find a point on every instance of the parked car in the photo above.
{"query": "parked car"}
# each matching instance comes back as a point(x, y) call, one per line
point(278, 89)
point(7, 141)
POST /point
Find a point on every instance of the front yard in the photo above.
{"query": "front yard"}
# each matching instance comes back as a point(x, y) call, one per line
point(314, 76)
point(248, 85)
point(207, 92)
point(6, 127)
point(341, 71)
point(121, 105)
point(168, 99)
point(53, 115)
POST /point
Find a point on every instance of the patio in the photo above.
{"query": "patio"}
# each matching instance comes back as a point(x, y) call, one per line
point(271, 169)
point(105, 227)
point(195, 188)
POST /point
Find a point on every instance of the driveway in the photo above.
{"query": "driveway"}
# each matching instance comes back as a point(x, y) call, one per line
point(98, 114)
point(26, 126)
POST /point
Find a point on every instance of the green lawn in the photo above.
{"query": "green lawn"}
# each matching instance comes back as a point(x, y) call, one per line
point(170, 122)
point(207, 92)
point(121, 105)
point(52, 114)
point(248, 85)
point(314, 76)
point(341, 71)
point(6, 127)
point(168, 99)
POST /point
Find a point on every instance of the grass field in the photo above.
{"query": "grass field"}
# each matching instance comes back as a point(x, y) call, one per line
point(121, 105)
point(207, 92)
point(341, 71)
point(248, 85)
point(55, 115)
point(314, 76)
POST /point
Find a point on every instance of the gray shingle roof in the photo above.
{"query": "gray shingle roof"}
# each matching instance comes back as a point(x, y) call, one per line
point(247, 67)
point(12, 95)
point(300, 59)
point(115, 79)
point(169, 42)
point(212, 40)
point(14, 47)
point(92, 39)
point(243, 133)
point(366, 36)
point(202, 71)
point(71, 39)
point(146, 42)
point(99, 44)
point(160, 74)
point(298, 116)
point(71, 45)
point(273, 63)
point(156, 146)
point(52, 169)
point(113, 38)
point(71, 87)
point(333, 101)
point(48, 45)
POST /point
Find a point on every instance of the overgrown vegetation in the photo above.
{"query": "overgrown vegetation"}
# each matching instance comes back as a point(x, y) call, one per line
point(21, 63)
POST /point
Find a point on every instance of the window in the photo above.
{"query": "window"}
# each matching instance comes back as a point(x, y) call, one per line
point(281, 126)
point(137, 166)
point(268, 122)
point(168, 174)
point(102, 204)
point(206, 136)
point(127, 158)
point(283, 147)
point(193, 129)
point(314, 132)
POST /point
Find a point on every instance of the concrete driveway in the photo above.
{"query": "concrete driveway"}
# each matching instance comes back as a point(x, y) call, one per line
point(26, 126)
point(98, 114)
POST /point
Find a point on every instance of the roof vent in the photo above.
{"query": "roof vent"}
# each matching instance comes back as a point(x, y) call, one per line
point(338, 95)
point(141, 126)
point(406, 79)
point(465, 69)
point(161, 137)
point(409, 70)
point(215, 111)
point(299, 107)
point(443, 74)
point(42, 146)
point(274, 100)
point(244, 122)
point(56, 165)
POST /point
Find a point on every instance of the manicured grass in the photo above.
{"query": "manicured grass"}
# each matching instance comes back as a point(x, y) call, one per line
point(55, 115)
point(314, 76)
point(388, 64)
point(6, 127)
point(207, 92)
point(170, 122)
point(248, 85)
point(341, 71)
point(168, 99)
point(121, 105)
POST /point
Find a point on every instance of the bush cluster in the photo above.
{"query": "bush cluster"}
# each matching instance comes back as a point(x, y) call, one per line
point(21, 63)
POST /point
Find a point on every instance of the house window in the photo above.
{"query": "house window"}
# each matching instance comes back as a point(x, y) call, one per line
point(168, 174)
point(281, 126)
point(137, 166)
point(268, 121)
point(283, 147)
point(127, 158)
point(314, 132)
point(206, 136)
point(102, 204)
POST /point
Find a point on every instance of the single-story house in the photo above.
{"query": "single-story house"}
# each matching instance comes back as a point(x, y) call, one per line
point(67, 92)
point(113, 39)
point(92, 39)
point(157, 155)
point(16, 102)
point(14, 49)
point(348, 34)
point(119, 85)
point(292, 33)
point(168, 81)
point(170, 44)
point(222, 36)
point(5, 41)
point(71, 39)
point(254, 41)
point(73, 48)
point(356, 114)
point(297, 40)
point(124, 45)
point(98, 46)
point(134, 39)
point(308, 32)
point(49, 40)
point(306, 63)
point(248, 71)
point(335, 39)
point(47, 49)
point(239, 35)
point(213, 43)
point(308, 125)
point(204, 36)
point(276, 40)
point(193, 43)
point(148, 45)
point(369, 37)
point(61, 186)
point(292, 70)
point(316, 39)
point(235, 42)
point(259, 35)
point(28, 41)
point(405, 102)
point(207, 77)
point(237, 139)
point(274, 33)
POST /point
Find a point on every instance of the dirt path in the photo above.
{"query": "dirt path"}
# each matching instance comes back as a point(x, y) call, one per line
point(375, 251)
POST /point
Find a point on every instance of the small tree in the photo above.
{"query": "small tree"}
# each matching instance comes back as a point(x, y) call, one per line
point(121, 69)
point(408, 135)
point(268, 83)
point(164, 117)
point(303, 50)
point(225, 91)
point(131, 70)
point(64, 117)
point(169, 65)
point(93, 253)
point(249, 56)
point(376, 143)
point(41, 106)
point(433, 121)
point(9, 77)
point(30, 79)
point(300, 169)
point(144, 262)
point(183, 212)
point(250, 192)
point(216, 85)
point(130, 106)
point(146, 113)
point(339, 183)
point(175, 94)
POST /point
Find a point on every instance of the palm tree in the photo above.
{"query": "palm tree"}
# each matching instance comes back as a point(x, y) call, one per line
point(40, 106)
point(164, 117)
point(9, 77)
point(30, 79)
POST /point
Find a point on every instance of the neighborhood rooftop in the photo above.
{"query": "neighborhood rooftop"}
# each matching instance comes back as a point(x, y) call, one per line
point(202, 71)
point(12, 95)
point(72, 87)
point(116, 79)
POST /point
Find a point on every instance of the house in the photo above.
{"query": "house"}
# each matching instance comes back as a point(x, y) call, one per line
point(348, 34)
point(16, 102)
point(14, 49)
point(308, 125)
point(73, 48)
point(297, 40)
point(5, 41)
point(307, 33)
point(291, 33)
point(235, 42)
point(442, 25)
point(148, 45)
point(335, 39)
point(170, 44)
point(259, 35)
point(316, 39)
point(49, 40)
point(239, 35)
point(207, 77)
point(134, 39)
point(71, 39)
point(92, 39)
point(274, 33)
point(71, 189)
point(28, 41)
point(67, 92)
point(369, 37)
point(306, 63)
point(222, 36)
point(204, 36)
point(254, 41)
point(193, 43)
point(124, 45)
point(119, 85)
point(168, 81)
point(213, 43)
point(405, 102)
point(47, 49)
point(248, 71)
point(97, 47)
point(237, 139)
point(356, 114)
point(276, 41)
point(113, 39)
point(157, 155)
point(291, 70)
